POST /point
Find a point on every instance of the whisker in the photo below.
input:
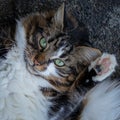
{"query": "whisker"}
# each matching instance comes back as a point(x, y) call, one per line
point(2, 56)
point(6, 44)
point(5, 48)
point(3, 31)
point(7, 39)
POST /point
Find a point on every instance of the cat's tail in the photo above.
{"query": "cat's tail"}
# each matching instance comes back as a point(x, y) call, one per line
point(103, 102)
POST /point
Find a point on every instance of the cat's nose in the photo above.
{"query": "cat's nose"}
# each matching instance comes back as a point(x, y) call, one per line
point(39, 59)
point(36, 62)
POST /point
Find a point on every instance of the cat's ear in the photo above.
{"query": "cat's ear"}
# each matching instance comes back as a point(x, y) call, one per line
point(58, 18)
point(87, 54)
point(104, 66)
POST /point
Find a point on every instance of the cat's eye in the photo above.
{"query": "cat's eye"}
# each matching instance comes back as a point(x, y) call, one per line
point(43, 43)
point(58, 62)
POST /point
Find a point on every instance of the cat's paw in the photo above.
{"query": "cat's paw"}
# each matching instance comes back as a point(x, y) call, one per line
point(104, 66)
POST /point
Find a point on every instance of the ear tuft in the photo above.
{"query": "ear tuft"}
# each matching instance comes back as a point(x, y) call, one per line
point(58, 18)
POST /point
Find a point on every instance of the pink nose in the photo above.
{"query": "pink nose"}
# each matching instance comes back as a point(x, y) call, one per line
point(36, 62)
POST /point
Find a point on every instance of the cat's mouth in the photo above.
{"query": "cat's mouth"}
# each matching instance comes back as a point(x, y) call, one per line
point(42, 67)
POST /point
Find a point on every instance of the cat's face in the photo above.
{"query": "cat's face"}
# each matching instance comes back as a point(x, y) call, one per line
point(48, 52)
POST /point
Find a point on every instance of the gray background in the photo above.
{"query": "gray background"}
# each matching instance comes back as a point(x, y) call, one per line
point(102, 18)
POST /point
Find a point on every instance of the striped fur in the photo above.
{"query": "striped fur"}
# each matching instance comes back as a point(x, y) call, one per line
point(41, 61)
point(32, 85)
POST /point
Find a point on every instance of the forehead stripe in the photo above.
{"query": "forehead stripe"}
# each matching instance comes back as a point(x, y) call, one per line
point(66, 52)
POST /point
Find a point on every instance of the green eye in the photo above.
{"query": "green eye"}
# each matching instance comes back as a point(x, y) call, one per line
point(43, 43)
point(59, 62)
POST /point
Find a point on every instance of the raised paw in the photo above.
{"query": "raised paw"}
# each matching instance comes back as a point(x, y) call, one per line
point(104, 66)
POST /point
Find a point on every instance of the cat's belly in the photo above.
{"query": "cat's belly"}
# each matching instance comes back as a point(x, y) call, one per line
point(19, 107)
point(20, 98)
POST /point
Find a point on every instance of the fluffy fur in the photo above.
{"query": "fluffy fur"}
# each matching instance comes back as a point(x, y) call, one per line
point(103, 102)
point(25, 95)
point(33, 87)
point(20, 97)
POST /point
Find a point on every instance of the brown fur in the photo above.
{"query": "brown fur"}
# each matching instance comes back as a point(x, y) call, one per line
point(58, 29)
point(50, 25)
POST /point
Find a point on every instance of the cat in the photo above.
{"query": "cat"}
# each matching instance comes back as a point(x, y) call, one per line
point(43, 75)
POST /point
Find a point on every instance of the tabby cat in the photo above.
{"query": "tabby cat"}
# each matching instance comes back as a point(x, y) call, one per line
point(44, 76)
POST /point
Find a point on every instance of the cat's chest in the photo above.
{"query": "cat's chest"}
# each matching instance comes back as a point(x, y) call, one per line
point(20, 95)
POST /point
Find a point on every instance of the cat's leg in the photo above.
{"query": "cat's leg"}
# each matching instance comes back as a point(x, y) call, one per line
point(104, 66)
point(102, 102)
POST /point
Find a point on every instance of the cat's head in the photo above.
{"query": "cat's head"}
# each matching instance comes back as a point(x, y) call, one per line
point(49, 52)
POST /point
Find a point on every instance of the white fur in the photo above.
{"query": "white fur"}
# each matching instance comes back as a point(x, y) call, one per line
point(51, 70)
point(20, 37)
point(103, 102)
point(58, 53)
point(20, 97)
point(111, 67)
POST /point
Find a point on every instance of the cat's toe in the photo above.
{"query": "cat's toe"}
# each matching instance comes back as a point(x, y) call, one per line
point(104, 66)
